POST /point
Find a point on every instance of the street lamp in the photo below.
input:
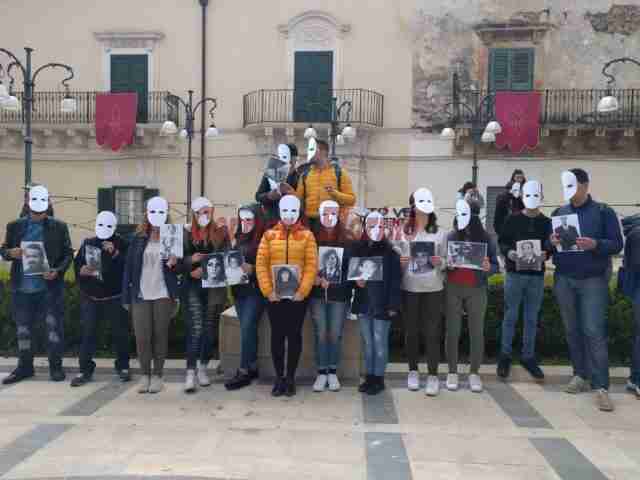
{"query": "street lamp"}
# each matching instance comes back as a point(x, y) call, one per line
point(169, 128)
point(609, 103)
point(8, 101)
point(336, 135)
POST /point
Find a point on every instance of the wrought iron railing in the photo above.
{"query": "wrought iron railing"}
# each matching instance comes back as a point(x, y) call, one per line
point(296, 106)
point(46, 109)
point(571, 107)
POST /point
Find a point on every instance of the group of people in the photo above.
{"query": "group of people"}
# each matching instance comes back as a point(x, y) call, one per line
point(296, 245)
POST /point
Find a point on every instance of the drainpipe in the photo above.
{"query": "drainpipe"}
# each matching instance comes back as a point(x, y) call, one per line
point(203, 93)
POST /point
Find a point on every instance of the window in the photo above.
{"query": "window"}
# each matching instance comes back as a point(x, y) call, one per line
point(128, 203)
point(492, 196)
point(130, 73)
point(511, 69)
point(313, 86)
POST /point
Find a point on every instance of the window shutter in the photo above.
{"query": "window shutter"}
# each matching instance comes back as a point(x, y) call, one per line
point(492, 196)
point(150, 193)
point(522, 61)
point(499, 69)
point(106, 200)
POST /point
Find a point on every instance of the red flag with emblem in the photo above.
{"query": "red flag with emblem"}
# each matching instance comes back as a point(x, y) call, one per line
point(519, 116)
point(116, 119)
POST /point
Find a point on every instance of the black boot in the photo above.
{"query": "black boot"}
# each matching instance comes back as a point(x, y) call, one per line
point(17, 376)
point(240, 380)
point(376, 386)
point(364, 386)
point(504, 367)
point(290, 387)
point(278, 387)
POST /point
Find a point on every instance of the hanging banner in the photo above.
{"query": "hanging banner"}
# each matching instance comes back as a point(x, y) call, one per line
point(116, 119)
point(519, 116)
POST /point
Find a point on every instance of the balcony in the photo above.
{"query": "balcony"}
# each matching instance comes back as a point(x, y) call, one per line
point(46, 109)
point(284, 107)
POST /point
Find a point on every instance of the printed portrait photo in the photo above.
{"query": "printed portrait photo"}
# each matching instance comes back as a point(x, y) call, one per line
point(213, 275)
point(233, 261)
point(93, 258)
point(171, 241)
point(420, 259)
point(467, 254)
point(567, 228)
point(366, 268)
point(34, 258)
point(286, 280)
point(530, 255)
point(401, 247)
point(330, 264)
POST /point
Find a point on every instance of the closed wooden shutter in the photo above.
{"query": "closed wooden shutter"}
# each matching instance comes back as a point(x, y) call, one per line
point(499, 69)
point(522, 69)
point(313, 84)
point(130, 73)
point(492, 196)
point(106, 200)
point(511, 69)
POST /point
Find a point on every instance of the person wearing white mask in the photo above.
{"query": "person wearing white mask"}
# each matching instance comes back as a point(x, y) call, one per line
point(150, 292)
point(510, 201)
point(423, 294)
point(377, 303)
point(101, 297)
point(523, 286)
point(203, 306)
point(467, 291)
point(40, 297)
point(288, 243)
point(581, 285)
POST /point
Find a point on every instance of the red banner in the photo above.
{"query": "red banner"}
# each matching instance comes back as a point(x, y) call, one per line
point(116, 119)
point(519, 116)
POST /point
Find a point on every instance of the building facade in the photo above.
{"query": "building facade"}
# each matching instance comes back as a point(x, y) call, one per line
point(273, 68)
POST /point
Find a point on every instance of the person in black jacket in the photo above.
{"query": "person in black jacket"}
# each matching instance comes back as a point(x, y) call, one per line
point(509, 202)
point(377, 303)
point(99, 267)
point(39, 297)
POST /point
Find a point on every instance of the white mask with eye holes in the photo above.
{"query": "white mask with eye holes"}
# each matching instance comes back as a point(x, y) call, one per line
point(516, 190)
point(312, 149)
point(532, 194)
point(463, 214)
point(329, 213)
point(423, 199)
point(106, 223)
point(284, 153)
point(374, 225)
point(157, 211)
point(38, 199)
point(569, 185)
point(247, 220)
point(289, 209)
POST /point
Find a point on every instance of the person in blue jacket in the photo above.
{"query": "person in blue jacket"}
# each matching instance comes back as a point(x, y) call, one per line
point(630, 285)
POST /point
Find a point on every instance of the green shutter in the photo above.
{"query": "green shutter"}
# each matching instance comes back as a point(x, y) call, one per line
point(106, 200)
point(522, 61)
point(130, 73)
point(150, 193)
point(499, 69)
point(313, 83)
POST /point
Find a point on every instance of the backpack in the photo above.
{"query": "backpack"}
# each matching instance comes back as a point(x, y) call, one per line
point(303, 178)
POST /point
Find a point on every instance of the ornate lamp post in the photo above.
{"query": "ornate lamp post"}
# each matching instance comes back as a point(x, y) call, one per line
point(337, 113)
point(609, 104)
point(8, 101)
point(169, 128)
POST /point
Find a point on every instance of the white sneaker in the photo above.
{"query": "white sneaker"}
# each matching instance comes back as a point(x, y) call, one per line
point(321, 383)
point(413, 380)
point(475, 383)
point(156, 385)
point(433, 386)
point(577, 385)
point(143, 385)
point(190, 382)
point(334, 383)
point(631, 387)
point(203, 378)
point(452, 382)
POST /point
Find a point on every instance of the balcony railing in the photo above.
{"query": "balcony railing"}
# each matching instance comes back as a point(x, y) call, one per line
point(567, 107)
point(46, 109)
point(296, 106)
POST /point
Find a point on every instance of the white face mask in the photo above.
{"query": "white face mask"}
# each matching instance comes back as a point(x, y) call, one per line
point(374, 225)
point(569, 185)
point(247, 221)
point(463, 214)
point(532, 194)
point(284, 153)
point(38, 199)
point(329, 213)
point(312, 149)
point(203, 220)
point(106, 223)
point(423, 199)
point(157, 211)
point(515, 190)
point(289, 209)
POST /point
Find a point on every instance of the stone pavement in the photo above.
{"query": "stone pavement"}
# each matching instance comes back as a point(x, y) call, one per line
point(518, 430)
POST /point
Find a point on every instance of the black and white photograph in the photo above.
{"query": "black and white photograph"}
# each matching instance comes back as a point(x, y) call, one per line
point(34, 258)
point(286, 280)
point(93, 258)
point(233, 261)
point(401, 247)
point(213, 275)
point(171, 240)
point(366, 268)
point(420, 259)
point(467, 254)
point(567, 228)
point(529, 256)
point(330, 264)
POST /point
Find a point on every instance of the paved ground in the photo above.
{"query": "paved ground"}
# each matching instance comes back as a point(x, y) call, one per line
point(518, 431)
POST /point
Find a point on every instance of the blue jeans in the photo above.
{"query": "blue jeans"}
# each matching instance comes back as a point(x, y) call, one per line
point(583, 306)
point(111, 311)
point(635, 356)
point(249, 310)
point(202, 324)
point(518, 289)
point(375, 341)
point(30, 308)
point(328, 322)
